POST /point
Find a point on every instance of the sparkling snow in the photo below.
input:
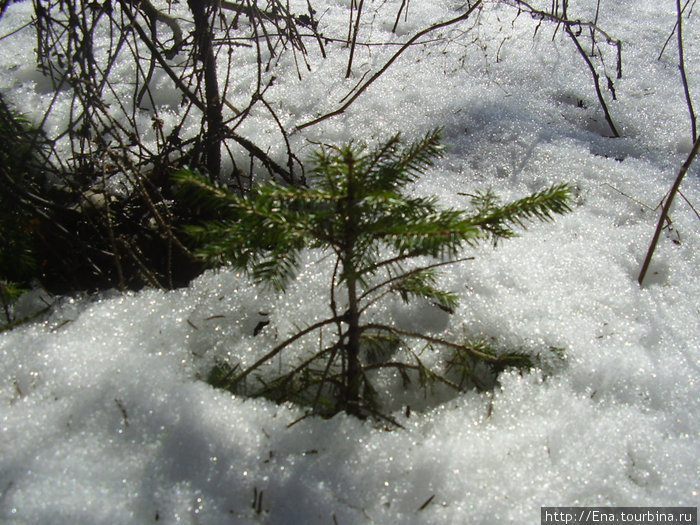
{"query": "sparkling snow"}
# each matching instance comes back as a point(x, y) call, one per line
point(103, 417)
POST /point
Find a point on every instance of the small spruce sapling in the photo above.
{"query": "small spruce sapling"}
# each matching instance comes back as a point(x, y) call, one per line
point(357, 210)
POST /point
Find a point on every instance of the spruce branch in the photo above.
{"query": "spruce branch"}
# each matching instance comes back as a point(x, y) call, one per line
point(423, 284)
point(404, 273)
point(392, 167)
point(475, 352)
point(497, 220)
point(201, 190)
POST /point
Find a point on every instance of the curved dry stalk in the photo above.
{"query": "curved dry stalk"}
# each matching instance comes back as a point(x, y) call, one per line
point(690, 204)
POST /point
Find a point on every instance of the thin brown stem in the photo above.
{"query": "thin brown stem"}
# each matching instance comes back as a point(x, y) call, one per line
point(398, 15)
point(666, 208)
point(276, 350)
point(596, 81)
point(353, 41)
point(681, 67)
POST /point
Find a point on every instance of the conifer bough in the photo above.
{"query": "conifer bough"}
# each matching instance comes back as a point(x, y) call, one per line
point(357, 210)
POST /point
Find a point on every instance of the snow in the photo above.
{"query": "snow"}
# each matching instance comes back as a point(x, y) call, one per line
point(104, 418)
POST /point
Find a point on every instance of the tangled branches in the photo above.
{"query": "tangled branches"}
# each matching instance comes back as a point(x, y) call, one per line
point(135, 88)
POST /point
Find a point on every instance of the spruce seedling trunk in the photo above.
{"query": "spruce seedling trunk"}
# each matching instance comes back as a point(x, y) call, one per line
point(354, 374)
point(352, 349)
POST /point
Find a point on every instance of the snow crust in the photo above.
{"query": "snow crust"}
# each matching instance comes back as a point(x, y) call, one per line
point(104, 418)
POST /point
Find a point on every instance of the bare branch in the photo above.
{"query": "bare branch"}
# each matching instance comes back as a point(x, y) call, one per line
point(681, 67)
point(386, 66)
point(666, 208)
point(596, 81)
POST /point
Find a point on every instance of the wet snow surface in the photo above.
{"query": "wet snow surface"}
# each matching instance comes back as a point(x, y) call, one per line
point(103, 419)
